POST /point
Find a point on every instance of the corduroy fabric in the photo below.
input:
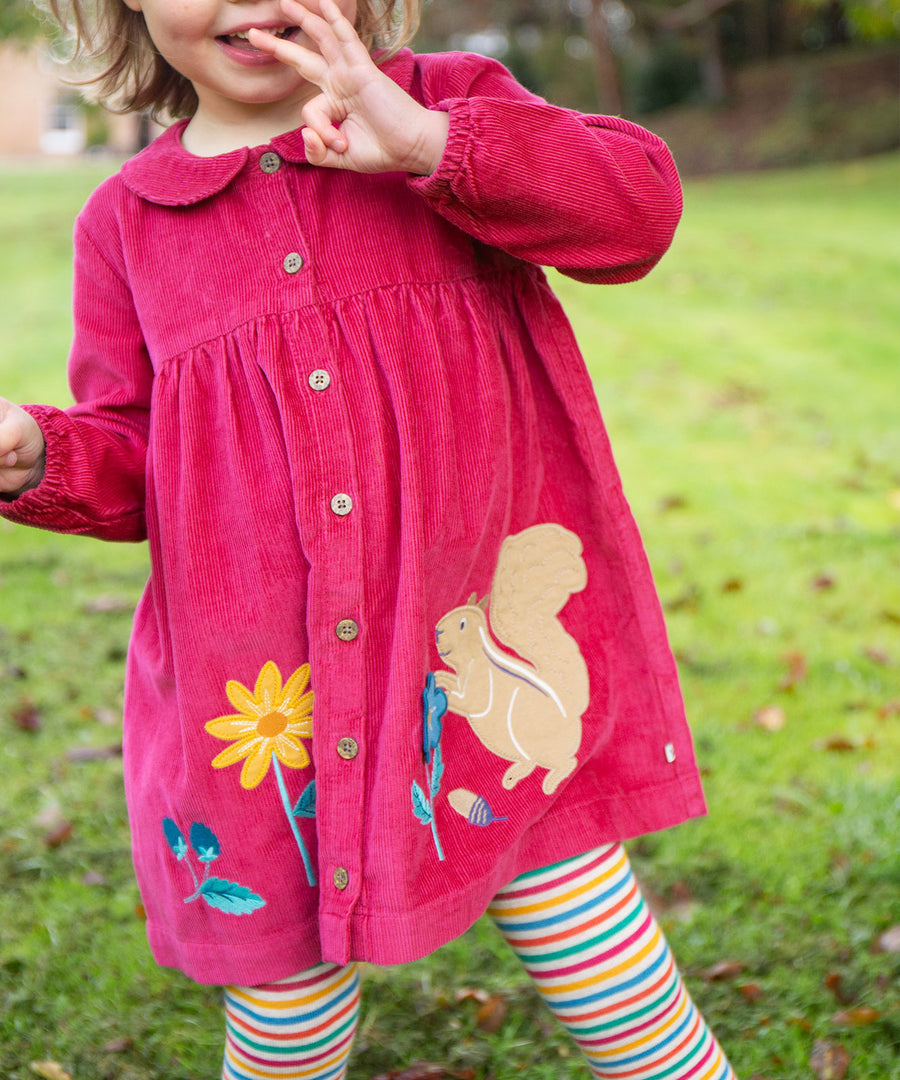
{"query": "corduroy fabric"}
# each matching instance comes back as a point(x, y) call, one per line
point(452, 410)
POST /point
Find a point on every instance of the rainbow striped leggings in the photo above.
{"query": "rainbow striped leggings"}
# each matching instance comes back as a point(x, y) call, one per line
point(584, 934)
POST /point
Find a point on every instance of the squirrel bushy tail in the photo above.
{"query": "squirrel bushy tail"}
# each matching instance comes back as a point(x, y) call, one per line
point(537, 571)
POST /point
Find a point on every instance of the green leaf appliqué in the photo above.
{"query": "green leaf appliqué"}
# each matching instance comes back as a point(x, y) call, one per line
point(306, 804)
point(421, 807)
point(230, 897)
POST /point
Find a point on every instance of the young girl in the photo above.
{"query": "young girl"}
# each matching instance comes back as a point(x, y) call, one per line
point(399, 660)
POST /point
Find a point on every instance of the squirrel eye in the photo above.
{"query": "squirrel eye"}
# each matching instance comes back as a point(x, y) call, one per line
point(462, 624)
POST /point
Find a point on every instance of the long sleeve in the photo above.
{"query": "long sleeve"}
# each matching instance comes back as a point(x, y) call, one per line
point(96, 449)
point(595, 196)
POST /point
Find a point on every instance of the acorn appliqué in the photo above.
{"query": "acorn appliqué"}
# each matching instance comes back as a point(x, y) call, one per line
point(472, 807)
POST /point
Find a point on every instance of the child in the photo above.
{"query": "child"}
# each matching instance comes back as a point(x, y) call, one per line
point(393, 571)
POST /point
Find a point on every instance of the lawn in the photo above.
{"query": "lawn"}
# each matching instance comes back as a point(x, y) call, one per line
point(751, 389)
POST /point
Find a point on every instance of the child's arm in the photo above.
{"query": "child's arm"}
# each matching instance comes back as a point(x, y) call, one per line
point(596, 196)
point(81, 470)
point(21, 450)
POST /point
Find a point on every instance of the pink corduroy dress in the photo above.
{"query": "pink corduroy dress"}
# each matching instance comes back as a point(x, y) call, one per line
point(400, 642)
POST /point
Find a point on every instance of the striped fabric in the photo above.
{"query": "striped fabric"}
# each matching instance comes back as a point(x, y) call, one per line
point(297, 1029)
point(587, 938)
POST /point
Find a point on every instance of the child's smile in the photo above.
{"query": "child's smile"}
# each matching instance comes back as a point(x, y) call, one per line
point(238, 44)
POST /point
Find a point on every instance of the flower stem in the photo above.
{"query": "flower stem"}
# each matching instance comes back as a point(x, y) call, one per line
point(429, 774)
point(288, 809)
point(187, 860)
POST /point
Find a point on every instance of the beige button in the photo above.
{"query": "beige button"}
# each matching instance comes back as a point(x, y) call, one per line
point(341, 504)
point(270, 162)
point(341, 878)
point(319, 379)
point(348, 749)
point(347, 629)
point(293, 262)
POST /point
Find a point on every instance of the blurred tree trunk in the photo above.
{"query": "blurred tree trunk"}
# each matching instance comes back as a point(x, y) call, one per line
point(715, 73)
point(609, 83)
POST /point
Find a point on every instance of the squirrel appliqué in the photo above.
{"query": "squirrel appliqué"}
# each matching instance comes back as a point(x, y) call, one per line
point(526, 711)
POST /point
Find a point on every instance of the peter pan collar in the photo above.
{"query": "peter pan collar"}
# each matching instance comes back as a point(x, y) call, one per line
point(165, 173)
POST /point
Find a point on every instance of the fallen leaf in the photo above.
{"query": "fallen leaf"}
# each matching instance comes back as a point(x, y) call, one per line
point(141, 912)
point(889, 941)
point(769, 718)
point(751, 991)
point(821, 582)
point(800, 1022)
point(671, 502)
point(724, 969)
point(889, 708)
point(737, 393)
point(94, 753)
point(27, 716)
point(107, 603)
point(467, 993)
point(829, 1061)
point(50, 1070)
point(858, 1016)
point(838, 743)
point(834, 982)
point(732, 584)
point(118, 1046)
point(796, 670)
point(58, 835)
point(688, 599)
point(877, 655)
point(491, 1015)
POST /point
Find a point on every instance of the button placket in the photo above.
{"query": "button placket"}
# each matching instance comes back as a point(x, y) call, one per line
point(332, 498)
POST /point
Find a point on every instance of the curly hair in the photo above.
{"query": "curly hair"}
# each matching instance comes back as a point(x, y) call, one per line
point(125, 72)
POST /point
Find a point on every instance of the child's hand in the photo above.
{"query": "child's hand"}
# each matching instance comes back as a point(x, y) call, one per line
point(382, 129)
point(21, 449)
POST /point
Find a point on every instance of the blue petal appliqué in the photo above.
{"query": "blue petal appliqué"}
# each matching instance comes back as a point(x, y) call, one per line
point(434, 705)
point(434, 702)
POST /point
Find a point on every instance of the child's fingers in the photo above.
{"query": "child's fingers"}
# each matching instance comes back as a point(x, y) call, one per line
point(316, 28)
point(309, 64)
point(316, 150)
point(343, 29)
point(319, 120)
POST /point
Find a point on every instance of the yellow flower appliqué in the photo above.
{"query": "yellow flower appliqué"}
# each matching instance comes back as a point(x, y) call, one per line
point(269, 724)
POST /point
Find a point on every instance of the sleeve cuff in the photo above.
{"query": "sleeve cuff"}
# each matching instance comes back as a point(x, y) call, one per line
point(438, 186)
point(35, 505)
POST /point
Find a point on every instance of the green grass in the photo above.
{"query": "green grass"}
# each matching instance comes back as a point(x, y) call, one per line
point(750, 386)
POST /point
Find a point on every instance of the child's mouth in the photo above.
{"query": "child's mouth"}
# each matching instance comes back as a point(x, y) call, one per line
point(241, 41)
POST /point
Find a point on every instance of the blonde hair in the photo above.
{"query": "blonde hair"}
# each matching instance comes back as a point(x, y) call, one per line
point(111, 44)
